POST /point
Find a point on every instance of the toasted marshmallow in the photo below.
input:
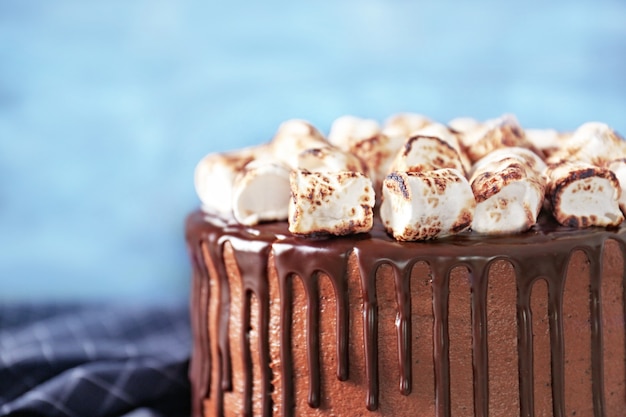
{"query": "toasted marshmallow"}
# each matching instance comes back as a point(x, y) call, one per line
point(494, 134)
point(378, 153)
point(338, 203)
point(293, 137)
point(509, 193)
point(547, 141)
point(523, 155)
point(329, 159)
point(404, 124)
point(363, 138)
point(468, 130)
point(618, 167)
point(440, 131)
point(426, 205)
point(444, 133)
point(595, 143)
point(426, 153)
point(581, 195)
point(261, 193)
point(347, 131)
point(214, 177)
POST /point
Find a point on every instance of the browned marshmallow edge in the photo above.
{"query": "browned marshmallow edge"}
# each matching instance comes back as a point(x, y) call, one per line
point(337, 203)
point(426, 205)
point(509, 195)
point(426, 153)
point(494, 134)
point(562, 176)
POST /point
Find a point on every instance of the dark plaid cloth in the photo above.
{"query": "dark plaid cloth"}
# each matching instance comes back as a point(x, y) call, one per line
point(94, 360)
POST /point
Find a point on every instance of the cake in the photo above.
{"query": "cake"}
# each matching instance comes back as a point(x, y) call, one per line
point(317, 319)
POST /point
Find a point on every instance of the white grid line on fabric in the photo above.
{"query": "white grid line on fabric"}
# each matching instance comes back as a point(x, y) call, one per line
point(68, 389)
point(110, 389)
point(151, 364)
point(121, 381)
point(58, 405)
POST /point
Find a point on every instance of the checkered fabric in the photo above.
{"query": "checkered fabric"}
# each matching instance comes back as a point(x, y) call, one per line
point(96, 360)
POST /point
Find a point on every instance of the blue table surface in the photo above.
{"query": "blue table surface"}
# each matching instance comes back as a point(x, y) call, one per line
point(106, 107)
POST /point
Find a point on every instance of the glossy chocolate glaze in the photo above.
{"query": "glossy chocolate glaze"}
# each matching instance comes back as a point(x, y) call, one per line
point(541, 253)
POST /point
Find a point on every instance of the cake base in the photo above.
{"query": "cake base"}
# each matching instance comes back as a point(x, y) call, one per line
point(529, 324)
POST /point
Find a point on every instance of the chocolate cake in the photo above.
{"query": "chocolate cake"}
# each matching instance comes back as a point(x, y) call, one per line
point(528, 323)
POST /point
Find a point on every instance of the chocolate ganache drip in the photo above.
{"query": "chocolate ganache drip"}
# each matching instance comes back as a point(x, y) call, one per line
point(542, 254)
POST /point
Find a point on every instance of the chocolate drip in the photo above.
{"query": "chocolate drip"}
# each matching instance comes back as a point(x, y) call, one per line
point(200, 365)
point(403, 323)
point(286, 308)
point(313, 342)
point(550, 265)
point(252, 263)
point(290, 262)
point(370, 334)
point(540, 254)
point(215, 252)
point(370, 258)
point(343, 324)
point(246, 355)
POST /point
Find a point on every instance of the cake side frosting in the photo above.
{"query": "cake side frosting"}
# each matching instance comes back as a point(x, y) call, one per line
point(540, 255)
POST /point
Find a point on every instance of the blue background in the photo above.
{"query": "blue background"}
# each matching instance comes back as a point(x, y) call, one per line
point(106, 107)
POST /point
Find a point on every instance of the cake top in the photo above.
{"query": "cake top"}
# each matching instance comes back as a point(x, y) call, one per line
point(425, 179)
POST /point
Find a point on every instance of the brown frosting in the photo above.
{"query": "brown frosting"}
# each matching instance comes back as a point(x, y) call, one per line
point(544, 252)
